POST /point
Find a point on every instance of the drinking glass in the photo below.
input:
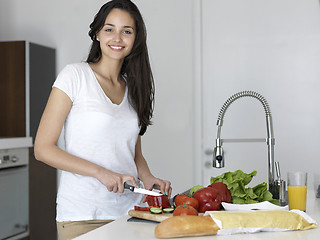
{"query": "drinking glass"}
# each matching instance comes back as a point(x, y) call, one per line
point(297, 190)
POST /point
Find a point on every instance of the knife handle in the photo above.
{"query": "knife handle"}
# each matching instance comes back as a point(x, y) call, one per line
point(127, 186)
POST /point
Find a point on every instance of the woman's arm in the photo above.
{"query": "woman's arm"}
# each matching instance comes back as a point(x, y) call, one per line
point(46, 150)
point(145, 175)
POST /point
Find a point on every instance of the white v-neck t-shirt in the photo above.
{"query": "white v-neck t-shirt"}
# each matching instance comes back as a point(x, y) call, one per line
point(103, 133)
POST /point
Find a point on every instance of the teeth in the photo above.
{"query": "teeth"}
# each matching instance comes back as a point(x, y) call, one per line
point(114, 47)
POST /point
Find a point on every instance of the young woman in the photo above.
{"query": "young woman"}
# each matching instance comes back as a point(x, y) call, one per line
point(105, 104)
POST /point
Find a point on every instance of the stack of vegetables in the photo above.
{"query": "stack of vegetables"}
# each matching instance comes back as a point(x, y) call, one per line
point(229, 187)
point(202, 199)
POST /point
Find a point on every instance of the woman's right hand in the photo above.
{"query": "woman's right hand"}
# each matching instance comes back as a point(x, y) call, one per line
point(114, 182)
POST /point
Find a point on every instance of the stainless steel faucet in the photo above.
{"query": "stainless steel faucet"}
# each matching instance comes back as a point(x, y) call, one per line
point(218, 155)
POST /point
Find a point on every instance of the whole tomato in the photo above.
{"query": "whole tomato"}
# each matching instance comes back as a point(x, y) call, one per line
point(158, 201)
point(185, 210)
point(178, 199)
point(192, 202)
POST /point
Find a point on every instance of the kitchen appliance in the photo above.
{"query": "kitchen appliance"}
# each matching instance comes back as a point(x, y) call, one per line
point(14, 191)
point(218, 154)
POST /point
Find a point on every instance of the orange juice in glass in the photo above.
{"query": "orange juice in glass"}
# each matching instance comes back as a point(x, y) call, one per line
point(297, 190)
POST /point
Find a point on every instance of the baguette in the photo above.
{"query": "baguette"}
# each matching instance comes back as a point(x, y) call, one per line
point(186, 226)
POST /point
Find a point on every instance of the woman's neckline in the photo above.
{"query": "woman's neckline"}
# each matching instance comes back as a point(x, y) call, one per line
point(101, 89)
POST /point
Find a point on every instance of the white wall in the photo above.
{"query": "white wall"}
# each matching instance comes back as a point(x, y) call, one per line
point(64, 25)
point(272, 47)
point(168, 145)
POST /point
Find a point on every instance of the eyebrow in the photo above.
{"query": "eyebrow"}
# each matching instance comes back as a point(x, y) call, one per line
point(112, 25)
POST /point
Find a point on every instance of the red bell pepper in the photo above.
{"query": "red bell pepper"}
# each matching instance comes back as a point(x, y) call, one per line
point(158, 201)
point(138, 208)
point(223, 191)
point(208, 198)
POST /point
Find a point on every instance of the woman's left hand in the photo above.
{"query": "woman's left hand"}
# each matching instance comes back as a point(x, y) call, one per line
point(156, 183)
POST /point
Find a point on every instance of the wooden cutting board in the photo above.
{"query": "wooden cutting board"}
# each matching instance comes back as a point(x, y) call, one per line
point(149, 216)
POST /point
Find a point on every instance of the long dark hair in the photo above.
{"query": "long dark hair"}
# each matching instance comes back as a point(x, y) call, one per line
point(136, 65)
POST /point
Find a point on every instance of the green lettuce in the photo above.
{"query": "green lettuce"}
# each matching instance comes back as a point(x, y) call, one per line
point(236, 182)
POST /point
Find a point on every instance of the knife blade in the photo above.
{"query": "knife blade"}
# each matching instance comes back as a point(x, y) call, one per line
point(141, 190)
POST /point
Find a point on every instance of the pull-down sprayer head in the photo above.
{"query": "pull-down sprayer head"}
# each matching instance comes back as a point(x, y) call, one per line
point(218, 155)
point(218, 161)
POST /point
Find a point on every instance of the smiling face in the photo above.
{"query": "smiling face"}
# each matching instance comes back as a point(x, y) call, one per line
point(117, 36)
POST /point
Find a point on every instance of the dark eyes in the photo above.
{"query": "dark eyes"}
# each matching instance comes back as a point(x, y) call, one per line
point(124, 31)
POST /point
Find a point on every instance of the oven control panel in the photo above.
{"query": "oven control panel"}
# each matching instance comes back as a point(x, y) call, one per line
point(14, 157)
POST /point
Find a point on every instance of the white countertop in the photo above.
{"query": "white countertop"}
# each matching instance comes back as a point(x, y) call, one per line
point(121, 229)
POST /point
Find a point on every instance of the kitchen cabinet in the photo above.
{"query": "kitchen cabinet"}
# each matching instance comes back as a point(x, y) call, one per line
point(42, 200)
point(27, 72)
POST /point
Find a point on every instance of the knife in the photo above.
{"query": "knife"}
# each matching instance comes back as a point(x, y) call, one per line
point(141, 190)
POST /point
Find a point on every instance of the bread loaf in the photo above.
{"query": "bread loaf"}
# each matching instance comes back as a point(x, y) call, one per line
point(186, 226)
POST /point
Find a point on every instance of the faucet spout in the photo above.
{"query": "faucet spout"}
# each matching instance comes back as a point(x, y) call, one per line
point(218, 158)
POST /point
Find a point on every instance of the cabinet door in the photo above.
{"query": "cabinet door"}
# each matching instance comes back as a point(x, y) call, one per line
point(42, 73)
point(42, 199)
point(12, 85)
